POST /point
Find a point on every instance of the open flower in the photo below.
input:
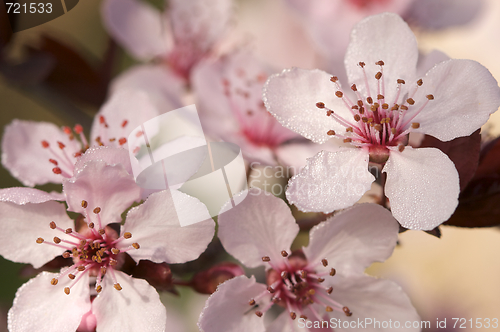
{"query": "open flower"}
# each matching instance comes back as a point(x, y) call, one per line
point(37, 229)
point(40, 152)
point(385, 102)
point(229, 94)
point(325, 280)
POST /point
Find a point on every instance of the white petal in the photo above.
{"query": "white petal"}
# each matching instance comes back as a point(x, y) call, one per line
point(291, 97)
point(261, 225)
point(137, 26)
point(163, 87)
point(21, 195)
point(354, 238)
point(26, 159)
point(107, 154)
point(132, 106)
point(375, 299)
point(465, 94)
point(137, 307)
point(40, 306)
point(228, 310)
point(111, 188)
point(422, 186)
point(331, 181)
point(155, 226)
point(426, 62)
point(283, 323)
point(22, 225)
point(383, 37)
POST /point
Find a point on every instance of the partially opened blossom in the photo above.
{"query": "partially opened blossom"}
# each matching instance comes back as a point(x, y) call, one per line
point(229, 95)
point(37, 229)
point(385, 102)
point(180, 37)
point(37, 153)
point(322, 281)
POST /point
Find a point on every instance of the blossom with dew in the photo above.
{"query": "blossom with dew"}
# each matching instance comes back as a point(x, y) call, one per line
point(93, 291)
point(182, 36)
point(40, 152)
point(229, 92)
point(322, 281)
point(385, 102)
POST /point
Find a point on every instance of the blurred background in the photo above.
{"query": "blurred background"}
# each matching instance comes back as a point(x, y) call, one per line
point(457, 275)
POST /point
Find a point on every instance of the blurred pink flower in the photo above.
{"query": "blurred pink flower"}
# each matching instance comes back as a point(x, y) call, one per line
point(325, 280)
point(40, 152)
point(452, 100)
point(229, 95)
point(100, 192)
point(183, 35)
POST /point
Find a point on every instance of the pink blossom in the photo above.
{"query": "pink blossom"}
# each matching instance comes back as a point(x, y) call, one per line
point(386, 101)
point(322, 281)
point(229, 95)
point(40, 152)
point(181, 37)
point(36, 229)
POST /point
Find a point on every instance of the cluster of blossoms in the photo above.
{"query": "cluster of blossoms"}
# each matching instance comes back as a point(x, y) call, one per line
point(103, 225)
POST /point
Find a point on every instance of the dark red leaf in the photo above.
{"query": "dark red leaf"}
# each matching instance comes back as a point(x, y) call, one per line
point(463, 151)
point(479, 202)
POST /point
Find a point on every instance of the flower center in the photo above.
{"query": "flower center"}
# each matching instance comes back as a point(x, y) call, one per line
point(95, 250)
point(63, 161)
point(294, 284)
point(376, 123)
